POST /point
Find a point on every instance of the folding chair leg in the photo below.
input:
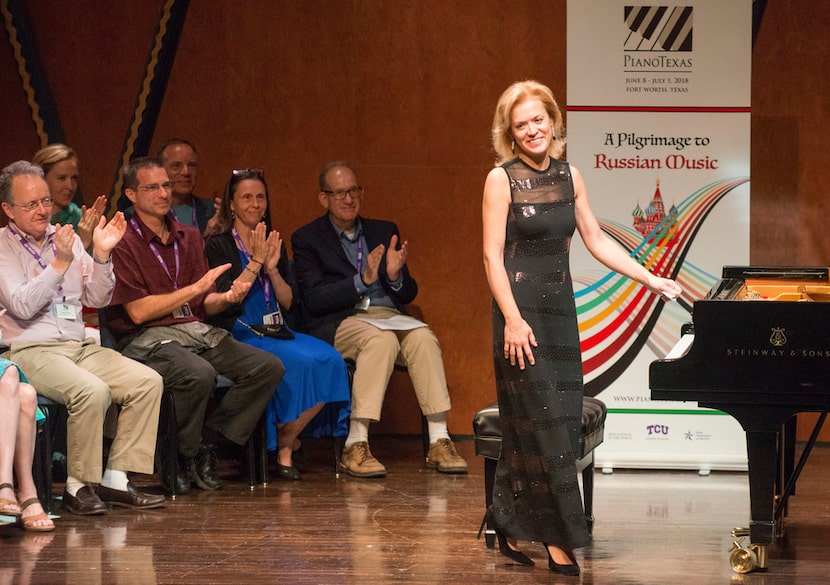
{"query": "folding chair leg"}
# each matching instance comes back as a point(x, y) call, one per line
point(337, 443)
point(250, 455)
point(42, 466)
point(168, 442)
point(263, 451)
point(425, 435)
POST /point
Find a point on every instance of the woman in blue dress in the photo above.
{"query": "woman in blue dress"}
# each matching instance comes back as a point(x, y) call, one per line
point(18, 405)
point(315, 390)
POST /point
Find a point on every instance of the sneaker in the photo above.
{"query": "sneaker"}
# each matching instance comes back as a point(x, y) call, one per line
point(358, 461)
point(443, 456)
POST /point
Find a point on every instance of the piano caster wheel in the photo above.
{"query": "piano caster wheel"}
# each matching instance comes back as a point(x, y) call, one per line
point(745, 559)
point(739, 532)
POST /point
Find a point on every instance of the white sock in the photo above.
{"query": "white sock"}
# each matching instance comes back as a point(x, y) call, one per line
point(358, 431)
point(437, 426)
point(73, 484)
point(115, 479)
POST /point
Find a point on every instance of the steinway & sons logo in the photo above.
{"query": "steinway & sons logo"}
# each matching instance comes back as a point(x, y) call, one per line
point(777, 340)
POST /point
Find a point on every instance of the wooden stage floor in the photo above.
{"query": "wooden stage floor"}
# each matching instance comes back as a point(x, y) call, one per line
point(417, 526)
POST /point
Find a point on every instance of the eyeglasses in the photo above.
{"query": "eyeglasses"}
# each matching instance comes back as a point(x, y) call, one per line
point(32, 205)
point(152, 187)
point(355, 192)
point(254, 171)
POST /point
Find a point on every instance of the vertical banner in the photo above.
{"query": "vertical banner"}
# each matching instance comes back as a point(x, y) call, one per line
point(658, 121)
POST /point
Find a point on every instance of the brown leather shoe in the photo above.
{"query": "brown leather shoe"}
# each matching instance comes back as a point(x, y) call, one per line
point(131, 498)
point(443, 457)
point(84, 503)
point(358, 461)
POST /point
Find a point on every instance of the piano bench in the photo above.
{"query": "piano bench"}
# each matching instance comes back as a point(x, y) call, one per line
point(487, 431)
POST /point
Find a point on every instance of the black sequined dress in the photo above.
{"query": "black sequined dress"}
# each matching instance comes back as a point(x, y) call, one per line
point(536, 494)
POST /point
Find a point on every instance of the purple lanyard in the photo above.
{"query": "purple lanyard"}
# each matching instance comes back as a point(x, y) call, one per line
point(266, 284)
point(156, 253)
point(38, 258)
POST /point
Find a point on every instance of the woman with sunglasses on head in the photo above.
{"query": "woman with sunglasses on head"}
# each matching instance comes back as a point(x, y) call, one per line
point(60, 168)
point(18, 406)
point(315, 379)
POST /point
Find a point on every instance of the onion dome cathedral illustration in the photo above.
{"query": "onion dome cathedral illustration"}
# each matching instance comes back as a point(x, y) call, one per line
point(646, 221)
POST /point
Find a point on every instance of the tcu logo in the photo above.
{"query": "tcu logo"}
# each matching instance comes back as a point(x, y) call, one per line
point(657, 429)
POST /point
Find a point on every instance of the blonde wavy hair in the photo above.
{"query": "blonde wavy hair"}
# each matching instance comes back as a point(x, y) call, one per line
point(51, 155)
point(519, 92)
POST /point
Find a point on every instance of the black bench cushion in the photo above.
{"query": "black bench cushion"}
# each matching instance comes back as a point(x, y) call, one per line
point(487, 428)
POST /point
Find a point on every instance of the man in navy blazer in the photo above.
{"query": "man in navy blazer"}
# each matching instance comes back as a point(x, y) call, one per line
point(350, 269)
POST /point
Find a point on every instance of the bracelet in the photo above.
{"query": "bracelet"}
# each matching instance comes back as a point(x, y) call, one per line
point(257, 261)
point(252, 271)
point(107, 261)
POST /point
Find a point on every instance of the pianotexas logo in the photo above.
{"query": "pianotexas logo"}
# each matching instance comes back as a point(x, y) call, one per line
point(658, 40)
point(659, 28)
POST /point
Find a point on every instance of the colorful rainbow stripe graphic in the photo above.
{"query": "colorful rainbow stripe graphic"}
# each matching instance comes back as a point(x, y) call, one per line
point(617, 316)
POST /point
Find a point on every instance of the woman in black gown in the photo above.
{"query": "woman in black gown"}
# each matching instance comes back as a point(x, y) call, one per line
point(532, 204)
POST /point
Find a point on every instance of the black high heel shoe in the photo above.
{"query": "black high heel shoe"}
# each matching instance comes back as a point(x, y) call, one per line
point(288, 472)
point(571, 569)
point(514, 555)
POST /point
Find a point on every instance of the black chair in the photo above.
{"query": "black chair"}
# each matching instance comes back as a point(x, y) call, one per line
point(487, 430)
point(167, 438)
point(42, 464)
point(256, 449)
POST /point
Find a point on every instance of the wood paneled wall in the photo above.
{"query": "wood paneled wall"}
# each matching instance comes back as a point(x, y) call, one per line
point(405, 90)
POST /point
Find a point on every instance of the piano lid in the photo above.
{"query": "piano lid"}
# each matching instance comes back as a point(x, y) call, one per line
point(737, 279)
point(761, 334)
point(776, 272)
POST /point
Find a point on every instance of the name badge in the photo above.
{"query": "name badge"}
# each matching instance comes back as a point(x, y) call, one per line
point(363, 305)
point(65, 311)
point(183, 312)
point(274, 318)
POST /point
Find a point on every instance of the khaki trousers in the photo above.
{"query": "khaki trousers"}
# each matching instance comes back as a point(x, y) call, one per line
point(375, 353)
point(87, 378)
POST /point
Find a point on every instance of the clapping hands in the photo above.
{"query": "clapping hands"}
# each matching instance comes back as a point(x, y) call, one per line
point(90, 218)
point(107, 235)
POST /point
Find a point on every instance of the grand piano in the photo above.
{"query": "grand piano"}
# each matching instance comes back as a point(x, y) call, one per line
point(758, 348)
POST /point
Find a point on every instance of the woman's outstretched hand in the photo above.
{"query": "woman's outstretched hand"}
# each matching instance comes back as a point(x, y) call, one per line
point(668, 289)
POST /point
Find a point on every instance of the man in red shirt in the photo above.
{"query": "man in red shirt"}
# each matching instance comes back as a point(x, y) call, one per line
point(163, 293)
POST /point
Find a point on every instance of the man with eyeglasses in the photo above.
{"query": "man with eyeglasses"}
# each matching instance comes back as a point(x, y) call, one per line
point(181, 161)
point(47, 276)
point(163, 294)
point(355, 286)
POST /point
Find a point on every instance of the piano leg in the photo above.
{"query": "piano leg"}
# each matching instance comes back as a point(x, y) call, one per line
point(760, 446)
point(786, 456)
